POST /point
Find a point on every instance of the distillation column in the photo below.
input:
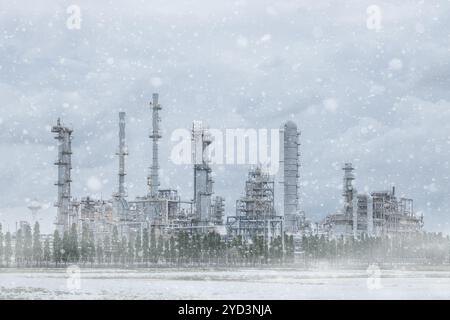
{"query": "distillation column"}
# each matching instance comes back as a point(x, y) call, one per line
point(347, 191)
point(64, 163)
point(202, 172)
point(290, 166)
point(350, 198)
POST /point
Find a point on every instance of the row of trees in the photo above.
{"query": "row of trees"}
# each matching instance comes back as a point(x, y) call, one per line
point(419, 247)
point(144, 249)
point(180, 249)
point(28, 247)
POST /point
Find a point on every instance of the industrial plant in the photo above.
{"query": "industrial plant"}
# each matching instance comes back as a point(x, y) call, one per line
point(376, 214)
point(269, 206)
point(162, 209)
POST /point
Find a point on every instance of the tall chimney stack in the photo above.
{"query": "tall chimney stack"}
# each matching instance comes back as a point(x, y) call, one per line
point(153, 179)
point(122, 152)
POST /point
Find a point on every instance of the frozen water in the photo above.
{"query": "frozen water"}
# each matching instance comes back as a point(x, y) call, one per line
point(222, 284)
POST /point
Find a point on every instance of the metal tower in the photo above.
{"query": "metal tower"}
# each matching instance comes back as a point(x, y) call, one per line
point(122, 152)
point(64, 163)
point(291, 163)
point(348, 190)
point(153, 179)
point(201, 139)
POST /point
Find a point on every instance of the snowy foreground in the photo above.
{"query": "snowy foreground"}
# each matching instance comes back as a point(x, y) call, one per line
point(223, 284)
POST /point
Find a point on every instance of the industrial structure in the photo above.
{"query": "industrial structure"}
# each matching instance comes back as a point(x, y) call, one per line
point(269, 207)
point(376, 214)
point(34, 207)
point(201, 139)
point(64, 163)
point(162, 209)
point(122, 152)
point(288, 178)
point(255, 211)
point(153, 179)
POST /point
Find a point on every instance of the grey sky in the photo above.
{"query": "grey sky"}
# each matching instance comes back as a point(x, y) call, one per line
point(378, 99)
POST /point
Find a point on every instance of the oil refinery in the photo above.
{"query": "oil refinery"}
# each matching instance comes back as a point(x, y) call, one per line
point(269, 206)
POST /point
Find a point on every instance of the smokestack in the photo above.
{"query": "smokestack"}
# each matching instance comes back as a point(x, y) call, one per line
point(122, 153)
point(153, 180)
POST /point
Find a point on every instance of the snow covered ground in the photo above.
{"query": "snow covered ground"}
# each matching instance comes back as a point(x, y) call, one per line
point(223, 284)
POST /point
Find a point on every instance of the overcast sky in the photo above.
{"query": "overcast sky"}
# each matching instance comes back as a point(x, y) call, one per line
point(364, 88)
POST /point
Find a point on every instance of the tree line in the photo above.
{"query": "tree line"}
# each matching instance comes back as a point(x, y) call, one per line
point(426, 247)
point(146, 248)
point(28, 247)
